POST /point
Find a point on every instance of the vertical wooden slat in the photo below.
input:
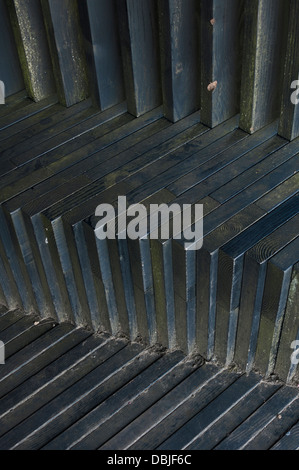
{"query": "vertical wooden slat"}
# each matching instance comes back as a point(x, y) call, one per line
point(263, 56)
point(276, 291)
point(179, 57)
point(32, 46)
point(290, 331)
point(221, 43)
point(138, 23)
point(102, 47)
point(10, 70)
point(289, 120)
point(66, 47)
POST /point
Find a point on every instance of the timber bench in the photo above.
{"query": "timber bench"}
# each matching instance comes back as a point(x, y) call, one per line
point(145, 343)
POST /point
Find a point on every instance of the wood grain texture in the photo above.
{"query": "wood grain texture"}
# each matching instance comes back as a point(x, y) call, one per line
point(180, 65)
point(263, 58)
point(65, 41)
point(10, 69)
point(277, 285)
point(289, 119)
point(102, 47)
point(290, 331)
point(27, 21)
point(138, 29)
point(221, 47)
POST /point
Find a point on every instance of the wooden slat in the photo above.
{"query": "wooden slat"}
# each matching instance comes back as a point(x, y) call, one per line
point(38, 354)
point(108, 418)
point(55, 378)
point(58, 414)
point(10, 70)
point(27, 21)
point(230, 269)
point(277, 285)
point(290, 331)
point(65, 42)
point(263, 58)
point(102, 47)
point(279, 425)
point(23, 332)
point(232, 417)
point(252, 289)
point(221, 46)
point(172, 411)
point(241, 437)
point(189, 436)
point(178, 20)
point(289, 119)
point(138, 23)
point(289, 441)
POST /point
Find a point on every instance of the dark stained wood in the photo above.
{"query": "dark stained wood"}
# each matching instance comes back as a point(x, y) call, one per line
point(118, 410)
point(221, 47)
point(277, 285)
point(99, 384)
point(279, 426)
point(252, 289)
point(55, 378)
point(91, 272)
point(138, 30)
point(289, 119)
point(289, 441)
point(191, 433)
point(10, 70)
point(240, 438)
point(289, 332)
point(41, 352)
point(31, 40)
point(182, 405)
point(263, 58)
point(230, 268)
point(102, 47)
point(66, 48)
point(180, 64)
point(224, 423)
point(23, 332)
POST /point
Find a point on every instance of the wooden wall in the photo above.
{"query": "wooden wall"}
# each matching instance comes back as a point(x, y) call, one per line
point(224, 57)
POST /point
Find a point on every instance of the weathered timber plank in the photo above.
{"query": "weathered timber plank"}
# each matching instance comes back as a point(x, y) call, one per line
point(289, 119)
point(178, 21)
point(138, 30)
point(102, 47)
point(27, 21)
point(66, 49)
point(10, 70)
point(252, 289)
point(277, 285)
point(221, 46)
point(263, 54)
point(290, 331)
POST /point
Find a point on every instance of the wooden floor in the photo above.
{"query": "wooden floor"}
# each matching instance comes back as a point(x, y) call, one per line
point(234, 302)
point(65, 388)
